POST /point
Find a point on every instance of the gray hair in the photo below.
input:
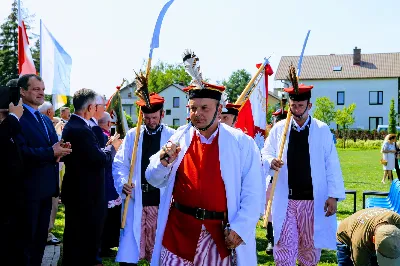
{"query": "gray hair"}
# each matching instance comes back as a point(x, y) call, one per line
point(45, 106)
point(83, 98)
point(62, 109)
point(105, 119)
point(100, 99)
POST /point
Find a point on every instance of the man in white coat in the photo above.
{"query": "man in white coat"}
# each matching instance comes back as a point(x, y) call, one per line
point(209, 211)
point(137, 238)
point(308, 186)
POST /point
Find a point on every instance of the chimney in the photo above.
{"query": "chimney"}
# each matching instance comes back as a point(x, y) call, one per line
point(357, 56)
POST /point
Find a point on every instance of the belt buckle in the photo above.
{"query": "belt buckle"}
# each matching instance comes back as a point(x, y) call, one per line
point(290, 192)
point(200, 213)
point(145, 187)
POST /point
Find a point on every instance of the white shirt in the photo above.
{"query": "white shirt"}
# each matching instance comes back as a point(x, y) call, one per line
point(93, 122)
point(300, 128)
point(86, 121)
point(204, 140)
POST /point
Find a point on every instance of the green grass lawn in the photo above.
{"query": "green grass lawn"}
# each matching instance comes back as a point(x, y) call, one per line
point(361, 171)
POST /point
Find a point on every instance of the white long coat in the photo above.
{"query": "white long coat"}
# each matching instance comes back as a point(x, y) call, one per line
point(326, 175)
point(129, 244)
point(240, 169)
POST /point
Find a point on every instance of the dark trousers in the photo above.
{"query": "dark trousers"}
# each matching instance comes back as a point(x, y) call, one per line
point(11, 251)
point(396, 165)
point(82, 234)
point(344, 256)
point(36, 218)
point(112, 228)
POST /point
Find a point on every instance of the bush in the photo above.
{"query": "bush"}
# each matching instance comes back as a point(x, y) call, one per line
point(359, 134)
point(360, 144)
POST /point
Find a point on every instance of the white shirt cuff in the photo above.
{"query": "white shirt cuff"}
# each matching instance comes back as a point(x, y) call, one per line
point(14, 115)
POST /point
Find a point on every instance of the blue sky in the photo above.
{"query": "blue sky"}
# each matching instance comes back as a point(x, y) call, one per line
point(107, 39)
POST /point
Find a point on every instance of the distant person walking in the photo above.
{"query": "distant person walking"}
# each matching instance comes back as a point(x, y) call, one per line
point(388, 153)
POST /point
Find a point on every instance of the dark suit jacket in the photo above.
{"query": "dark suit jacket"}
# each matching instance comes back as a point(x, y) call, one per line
point(41, 175)
point(11, 163)
point(83, 181)
point(100, 136)
point(83, 192)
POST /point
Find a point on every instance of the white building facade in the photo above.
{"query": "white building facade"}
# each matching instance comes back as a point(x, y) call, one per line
point(175, 105)
point(370, 81)
point(371, 96)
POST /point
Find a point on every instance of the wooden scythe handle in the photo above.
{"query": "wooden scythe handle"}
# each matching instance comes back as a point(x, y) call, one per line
point(132, 167)
point(276, 174)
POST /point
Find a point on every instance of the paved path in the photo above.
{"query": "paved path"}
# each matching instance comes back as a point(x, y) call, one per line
point(51, 255)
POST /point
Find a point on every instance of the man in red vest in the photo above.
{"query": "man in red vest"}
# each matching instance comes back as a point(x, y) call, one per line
point(211, 171)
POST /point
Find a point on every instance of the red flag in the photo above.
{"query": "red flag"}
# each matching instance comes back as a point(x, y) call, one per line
point(25, 61)
point(252, 118)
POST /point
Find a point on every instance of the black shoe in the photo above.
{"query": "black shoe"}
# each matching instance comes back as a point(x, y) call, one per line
point(270, 237)
point(53, 241)
point(270, 248)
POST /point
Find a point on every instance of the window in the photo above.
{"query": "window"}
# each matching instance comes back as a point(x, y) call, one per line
point(129, 94)
point(175, 122)
point(168, 112)
point(176, 102)
point(340, 98)
point(337, 68)
point(374, 122)
point(375, 97)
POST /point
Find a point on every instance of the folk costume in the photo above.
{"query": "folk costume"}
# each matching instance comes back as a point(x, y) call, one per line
point(310, 175)
point(137, 240)
point(212, 181)
point(278, 115)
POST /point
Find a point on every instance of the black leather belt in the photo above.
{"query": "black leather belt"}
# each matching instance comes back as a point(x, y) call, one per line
point(148, 188)
point(200, 213)
point(300, 194)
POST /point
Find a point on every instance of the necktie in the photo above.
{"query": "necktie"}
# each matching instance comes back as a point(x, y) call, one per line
point(41, 123)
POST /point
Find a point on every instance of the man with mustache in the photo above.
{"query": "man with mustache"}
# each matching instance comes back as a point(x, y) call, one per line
point(308, 186)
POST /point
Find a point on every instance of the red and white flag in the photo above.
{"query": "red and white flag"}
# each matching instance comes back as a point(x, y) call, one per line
point(25, 61)
point(252, 118)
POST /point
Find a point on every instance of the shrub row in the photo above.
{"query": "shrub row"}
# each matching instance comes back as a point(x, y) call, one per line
point(360, 144)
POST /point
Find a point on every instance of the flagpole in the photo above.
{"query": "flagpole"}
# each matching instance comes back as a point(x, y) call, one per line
point(283, 139)
point(245, 93)
point(154, 44)
point(40, 47)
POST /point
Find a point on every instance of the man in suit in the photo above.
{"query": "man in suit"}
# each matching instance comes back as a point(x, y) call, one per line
point(112, 223)
point(41, 152)
point(65, 114)
point(83, 183)
point(98, 114)
point(47, 109)
point(11, 165)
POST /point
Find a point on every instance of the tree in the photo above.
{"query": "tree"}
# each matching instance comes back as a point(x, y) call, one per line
point(324, 110)
point(344, 118)
point(36, 55)
point(236, 84)
point(9, 43)
point(9, 46)
point(392, 118)
point(163, 74)
point(129, 120)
